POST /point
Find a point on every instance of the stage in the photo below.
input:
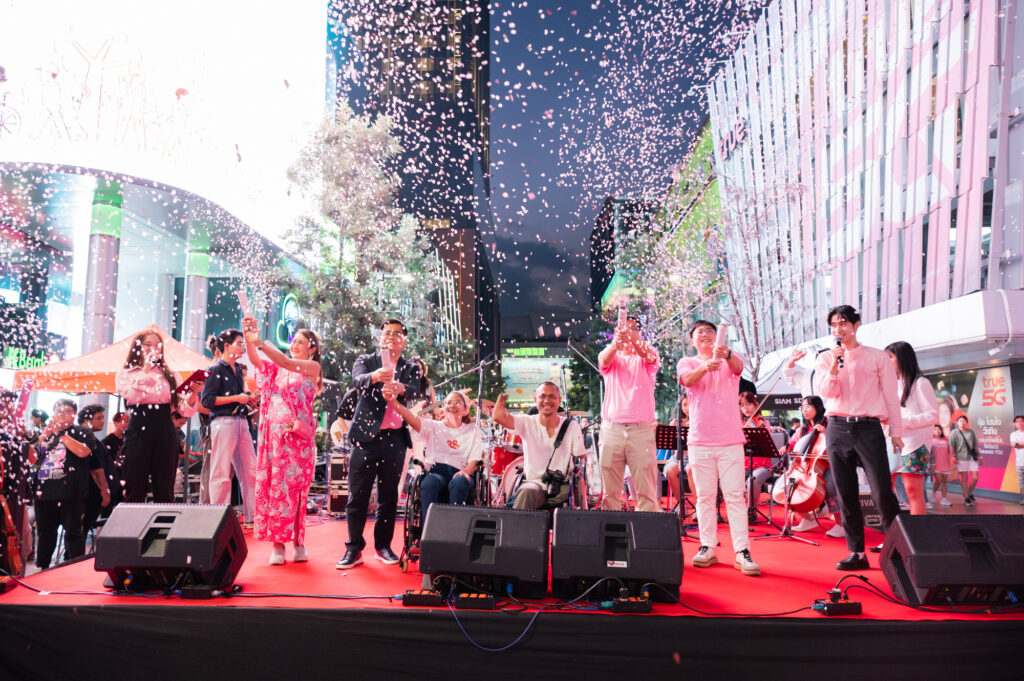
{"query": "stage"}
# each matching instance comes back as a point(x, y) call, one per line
point(310, 620)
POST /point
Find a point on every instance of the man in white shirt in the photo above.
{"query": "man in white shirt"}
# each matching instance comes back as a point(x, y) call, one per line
point(539, 433)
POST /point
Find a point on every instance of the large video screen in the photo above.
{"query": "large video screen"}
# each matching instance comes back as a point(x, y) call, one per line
point(212, 97)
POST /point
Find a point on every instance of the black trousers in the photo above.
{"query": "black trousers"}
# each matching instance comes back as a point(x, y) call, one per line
point(51, 514)
point(850, 445)
point(378, 460)
point(150, 452)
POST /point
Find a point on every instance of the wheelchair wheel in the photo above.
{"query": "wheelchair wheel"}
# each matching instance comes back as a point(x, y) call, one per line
point(412, 525)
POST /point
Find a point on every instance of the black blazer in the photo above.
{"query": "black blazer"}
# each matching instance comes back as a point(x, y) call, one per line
point(371, 404)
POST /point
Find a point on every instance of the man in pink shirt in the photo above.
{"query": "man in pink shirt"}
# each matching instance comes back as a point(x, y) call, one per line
point(629, 365)
point(858, 385)
point(715, 443)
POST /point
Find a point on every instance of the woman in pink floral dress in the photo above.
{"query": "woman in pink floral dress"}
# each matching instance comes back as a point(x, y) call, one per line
point(286, 452)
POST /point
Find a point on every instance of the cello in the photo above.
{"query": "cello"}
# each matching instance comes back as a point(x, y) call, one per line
point(802, 487)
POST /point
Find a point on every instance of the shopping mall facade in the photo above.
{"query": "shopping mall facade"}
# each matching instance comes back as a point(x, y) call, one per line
point(871, 153)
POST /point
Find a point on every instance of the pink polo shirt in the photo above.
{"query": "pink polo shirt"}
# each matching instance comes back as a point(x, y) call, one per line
point(629, 389)
point(714, 405)
point(865, 386)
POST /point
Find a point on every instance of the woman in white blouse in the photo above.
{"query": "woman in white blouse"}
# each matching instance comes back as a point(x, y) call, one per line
point(920, 411)
point(150, 447)
point(453, 449)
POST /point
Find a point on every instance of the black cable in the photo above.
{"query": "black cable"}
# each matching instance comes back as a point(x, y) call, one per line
point(975, 609)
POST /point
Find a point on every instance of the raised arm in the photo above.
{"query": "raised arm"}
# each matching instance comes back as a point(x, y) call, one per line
point(306, 367)
point(501, 414)
point(414, 421)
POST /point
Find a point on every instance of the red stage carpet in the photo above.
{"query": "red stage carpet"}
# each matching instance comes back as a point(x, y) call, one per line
point(761, 627)
point(794, 574)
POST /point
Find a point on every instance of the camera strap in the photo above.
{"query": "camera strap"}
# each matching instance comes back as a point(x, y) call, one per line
point(558, 442)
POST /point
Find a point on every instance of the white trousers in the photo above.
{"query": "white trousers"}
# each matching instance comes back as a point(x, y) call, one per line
point(710, 467)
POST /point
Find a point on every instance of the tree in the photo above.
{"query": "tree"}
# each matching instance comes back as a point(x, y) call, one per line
point(364, 262)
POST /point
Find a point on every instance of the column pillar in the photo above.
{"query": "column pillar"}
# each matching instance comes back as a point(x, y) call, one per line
point(197, 285)
point(101, 272)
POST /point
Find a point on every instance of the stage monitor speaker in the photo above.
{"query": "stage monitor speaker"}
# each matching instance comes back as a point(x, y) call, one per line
point(159, 546)
point(489, 548)
point(955, 559)
point(636, 548)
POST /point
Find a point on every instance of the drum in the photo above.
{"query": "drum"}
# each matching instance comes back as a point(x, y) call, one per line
point(509, 480)
point(512, 442)
point(501, 459)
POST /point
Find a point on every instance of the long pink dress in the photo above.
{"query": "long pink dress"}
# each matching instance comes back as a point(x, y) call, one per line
point(284, 459)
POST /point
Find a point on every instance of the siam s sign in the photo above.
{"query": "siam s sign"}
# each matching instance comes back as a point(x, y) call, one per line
point(732, 139)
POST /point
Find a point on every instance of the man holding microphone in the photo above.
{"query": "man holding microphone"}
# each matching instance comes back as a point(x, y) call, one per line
point(858, 386)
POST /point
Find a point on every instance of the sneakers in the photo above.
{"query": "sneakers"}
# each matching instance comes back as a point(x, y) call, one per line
point(705, 557)
point(969, 501)
point(806, 525)
point(299, 554)
point(745, 564)
point(277, 556)
point(929, 505)
point(352, 558)
point(853, 562)
point(946, 502)
point(972, 499)
point(386, 556)
point(836, 532)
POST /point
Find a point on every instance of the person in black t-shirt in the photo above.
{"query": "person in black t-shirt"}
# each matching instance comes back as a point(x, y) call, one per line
point(68, 458)
point(113, 442)
point(94, 417)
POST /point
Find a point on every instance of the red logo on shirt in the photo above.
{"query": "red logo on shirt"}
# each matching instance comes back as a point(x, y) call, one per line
point(454, 444)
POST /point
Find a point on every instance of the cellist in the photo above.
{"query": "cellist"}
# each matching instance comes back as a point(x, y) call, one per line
point(813, 411)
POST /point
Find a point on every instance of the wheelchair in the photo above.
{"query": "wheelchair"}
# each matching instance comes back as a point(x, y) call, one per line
point(579, 497)
point(412, 525)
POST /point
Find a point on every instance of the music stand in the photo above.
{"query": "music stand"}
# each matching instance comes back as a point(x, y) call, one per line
point(759, 444)
point(674, 438)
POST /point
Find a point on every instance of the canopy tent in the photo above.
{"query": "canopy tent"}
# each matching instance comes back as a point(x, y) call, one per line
point(94, 372)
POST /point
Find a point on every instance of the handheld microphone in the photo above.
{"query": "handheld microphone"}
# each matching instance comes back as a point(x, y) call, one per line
point(839, 341)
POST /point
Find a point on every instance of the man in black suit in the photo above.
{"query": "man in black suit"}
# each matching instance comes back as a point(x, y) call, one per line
point(380, 439)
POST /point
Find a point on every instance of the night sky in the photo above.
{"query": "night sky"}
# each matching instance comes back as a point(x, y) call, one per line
point(589, 99)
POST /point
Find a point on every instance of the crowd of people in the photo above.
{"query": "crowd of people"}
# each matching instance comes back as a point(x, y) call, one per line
point(870, 413)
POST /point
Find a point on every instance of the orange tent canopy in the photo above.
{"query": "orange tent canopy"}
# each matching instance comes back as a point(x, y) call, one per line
point(94, 372)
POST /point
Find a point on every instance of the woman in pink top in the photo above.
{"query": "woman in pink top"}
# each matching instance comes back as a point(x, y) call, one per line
point(286, 452)
point(150, 449)
point(942, 457)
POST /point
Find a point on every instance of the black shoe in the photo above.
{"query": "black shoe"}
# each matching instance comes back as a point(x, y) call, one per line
point(352, 558)
point(876, 549)
point(853, 562)
point(387, 556)
point(972, 499)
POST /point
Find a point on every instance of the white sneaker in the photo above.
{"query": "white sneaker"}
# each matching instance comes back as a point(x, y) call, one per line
point(277, 556)
point(705, 557)
point(946, 502)
point(929, 505)
point(745, 564)
point(299, 554)
point(806, 525)
point(836, 532)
